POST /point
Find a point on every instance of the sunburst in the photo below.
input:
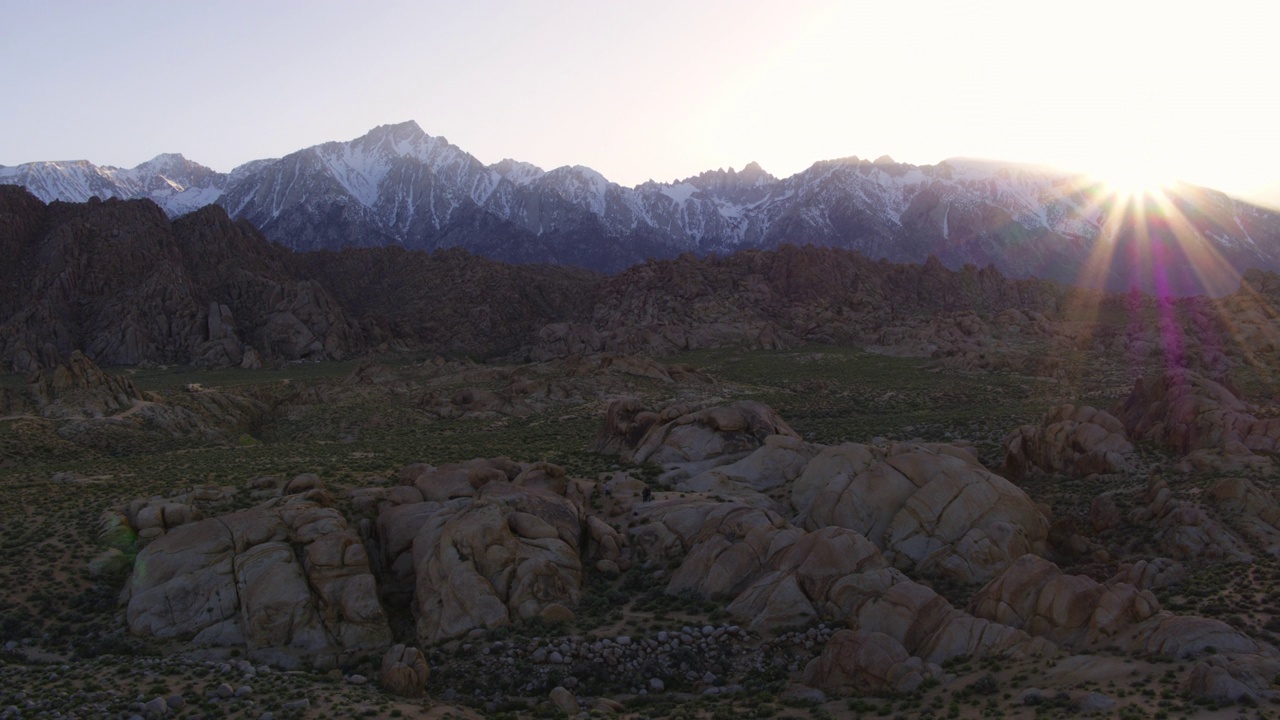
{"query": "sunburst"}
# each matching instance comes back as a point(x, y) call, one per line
point(1147, 238)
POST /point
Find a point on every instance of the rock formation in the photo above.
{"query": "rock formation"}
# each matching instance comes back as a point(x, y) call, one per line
point(79, 388)
point(1076, 441)
point(933, 508)
point(483, 544)
point(123, 284)
point(287, 581)
point(1200, 418)
point(686, 435)
point(405, 671)
point(867, 663)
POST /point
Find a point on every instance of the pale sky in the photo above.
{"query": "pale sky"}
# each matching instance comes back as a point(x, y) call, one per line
point(1132, 91)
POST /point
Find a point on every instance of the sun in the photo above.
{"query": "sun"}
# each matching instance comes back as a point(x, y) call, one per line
point(1133, 180)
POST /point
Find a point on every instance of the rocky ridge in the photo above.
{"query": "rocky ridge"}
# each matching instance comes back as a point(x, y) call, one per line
point(739, 514)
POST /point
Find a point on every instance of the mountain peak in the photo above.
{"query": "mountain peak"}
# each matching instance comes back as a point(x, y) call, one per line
point(165, 161)
point(520, 173)
point(409, 129)
point(752, 173)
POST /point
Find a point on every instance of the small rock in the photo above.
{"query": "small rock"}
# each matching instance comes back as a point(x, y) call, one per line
point(243, 690)
point(297, 704)
point(607, 706)
point(564, 700)
point(175, 702)
point(656, 685)
point(405, 671)
point(357, 680)
point(1096, 703)
point(804, 694)
point(225, 691)
point(557, 613)
point(156, 707)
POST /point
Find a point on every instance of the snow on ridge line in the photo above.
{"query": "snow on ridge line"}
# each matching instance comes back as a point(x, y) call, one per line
point(711, 207)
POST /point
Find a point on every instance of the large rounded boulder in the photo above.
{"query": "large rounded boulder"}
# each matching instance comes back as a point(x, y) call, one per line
point(931, 508)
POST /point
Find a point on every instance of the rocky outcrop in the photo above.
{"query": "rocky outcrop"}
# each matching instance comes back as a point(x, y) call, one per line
point(404, 672)
point(79, 388)
point(1076, 441)
point(1184, 530)
point(687, 435)
point(1150, 574)
point(734, 545)
point(1201, 419)
point(926, 623)
point(123, 284)
point(1033, 594)
point(483, 544)
point(807, 580)
point(1256, 509)
point(933, 508)
point(867, 663)
point(1229, 679)
point(449, 301)
point(287, 582)
point(1076, 611)
point(769, 469)
point(561, 340)
point(784, 297)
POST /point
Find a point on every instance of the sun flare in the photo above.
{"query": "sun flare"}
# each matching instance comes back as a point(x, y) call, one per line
point(1131, 181)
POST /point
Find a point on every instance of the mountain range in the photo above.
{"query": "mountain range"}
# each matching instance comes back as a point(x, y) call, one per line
point(126, 285)
point(399, 186)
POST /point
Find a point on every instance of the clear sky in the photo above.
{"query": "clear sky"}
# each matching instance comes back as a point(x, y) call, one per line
point(1132, 91)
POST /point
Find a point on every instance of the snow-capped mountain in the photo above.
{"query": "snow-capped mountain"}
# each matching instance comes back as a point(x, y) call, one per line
point(398, 185)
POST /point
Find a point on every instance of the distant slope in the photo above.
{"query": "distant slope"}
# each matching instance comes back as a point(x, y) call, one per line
point(125, 284)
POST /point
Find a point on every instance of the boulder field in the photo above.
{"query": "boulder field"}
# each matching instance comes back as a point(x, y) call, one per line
point(785, 534)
